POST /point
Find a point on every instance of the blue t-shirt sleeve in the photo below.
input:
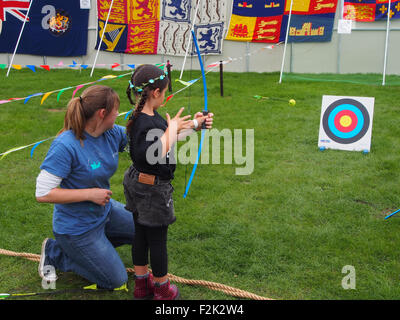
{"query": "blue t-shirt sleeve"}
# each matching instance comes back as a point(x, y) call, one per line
point(58, 160)
point(123, 137)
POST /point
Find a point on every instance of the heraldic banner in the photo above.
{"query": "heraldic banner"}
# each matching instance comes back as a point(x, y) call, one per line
point(132, 27)
point(53, 28)
point(370, 10)
point(177, 17)
point(266, 20)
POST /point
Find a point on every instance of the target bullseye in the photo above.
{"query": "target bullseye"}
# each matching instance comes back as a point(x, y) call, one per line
point(345, 121)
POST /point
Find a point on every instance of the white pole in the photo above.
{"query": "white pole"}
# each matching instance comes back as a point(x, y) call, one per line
point(287, 36)
point(102, 36)
point(190, 38)
point(386, 44)
point(339, 47)
point(19, 37)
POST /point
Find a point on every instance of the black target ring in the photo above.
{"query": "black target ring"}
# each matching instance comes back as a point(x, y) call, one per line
point(346, 104)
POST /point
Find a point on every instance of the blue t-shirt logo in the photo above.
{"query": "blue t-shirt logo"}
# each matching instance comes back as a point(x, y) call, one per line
point(95, 165)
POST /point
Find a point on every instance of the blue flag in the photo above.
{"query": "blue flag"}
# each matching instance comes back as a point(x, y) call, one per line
point(311, 28)
point(53, 27)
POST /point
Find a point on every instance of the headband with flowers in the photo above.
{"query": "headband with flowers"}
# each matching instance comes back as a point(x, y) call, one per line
point(151, 81)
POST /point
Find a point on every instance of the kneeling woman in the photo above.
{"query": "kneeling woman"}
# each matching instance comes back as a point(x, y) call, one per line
point(75, 175)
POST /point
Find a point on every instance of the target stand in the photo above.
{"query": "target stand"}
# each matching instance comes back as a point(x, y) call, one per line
point(346, 123)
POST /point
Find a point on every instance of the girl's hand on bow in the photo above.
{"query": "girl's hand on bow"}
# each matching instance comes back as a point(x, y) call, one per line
point(208, 119)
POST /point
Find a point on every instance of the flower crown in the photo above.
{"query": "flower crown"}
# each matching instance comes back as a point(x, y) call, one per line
point(151, 81)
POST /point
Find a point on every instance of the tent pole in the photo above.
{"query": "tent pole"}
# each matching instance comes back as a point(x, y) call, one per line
point(102, 36)
point(190, 39)
point(19, 37)
point(286, 40)
point(386, 44)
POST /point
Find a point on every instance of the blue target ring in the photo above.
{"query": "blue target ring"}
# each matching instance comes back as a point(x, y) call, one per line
point(357, 129)
point(351, 105)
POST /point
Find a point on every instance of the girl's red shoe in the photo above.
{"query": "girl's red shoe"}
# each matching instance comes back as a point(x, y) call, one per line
point(165, 291)
point(144, 288)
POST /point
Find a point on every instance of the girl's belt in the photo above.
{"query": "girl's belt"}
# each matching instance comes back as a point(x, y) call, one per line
point(146, 178)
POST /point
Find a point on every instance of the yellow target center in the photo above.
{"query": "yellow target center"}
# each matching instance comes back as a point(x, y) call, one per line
point(345, 121)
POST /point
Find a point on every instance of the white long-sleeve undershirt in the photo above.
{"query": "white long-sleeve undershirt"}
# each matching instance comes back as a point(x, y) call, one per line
point(45, 182)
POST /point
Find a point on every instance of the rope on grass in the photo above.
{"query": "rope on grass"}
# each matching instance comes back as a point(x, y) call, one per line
point(208, 284)
point(29, 256)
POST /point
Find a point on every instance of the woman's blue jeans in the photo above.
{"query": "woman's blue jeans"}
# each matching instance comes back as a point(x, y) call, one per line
point(92, 255)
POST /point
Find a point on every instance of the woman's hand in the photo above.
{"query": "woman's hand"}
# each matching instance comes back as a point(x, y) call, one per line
point(179, 123)
point(99, 196)
point(200, 119)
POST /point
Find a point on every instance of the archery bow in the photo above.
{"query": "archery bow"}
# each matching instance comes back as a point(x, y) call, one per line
point(205, 112)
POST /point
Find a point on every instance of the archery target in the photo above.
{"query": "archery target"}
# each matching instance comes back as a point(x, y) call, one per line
point(346, 123)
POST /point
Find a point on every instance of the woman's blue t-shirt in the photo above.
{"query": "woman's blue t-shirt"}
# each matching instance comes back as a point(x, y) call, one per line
point(83, 167)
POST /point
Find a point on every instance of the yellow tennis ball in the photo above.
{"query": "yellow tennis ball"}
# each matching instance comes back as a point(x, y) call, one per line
point(292, 102)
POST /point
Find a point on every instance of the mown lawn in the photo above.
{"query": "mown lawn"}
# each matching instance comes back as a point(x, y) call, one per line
point(285, 231)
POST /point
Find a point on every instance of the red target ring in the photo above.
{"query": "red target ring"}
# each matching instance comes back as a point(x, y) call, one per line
point(346, 121)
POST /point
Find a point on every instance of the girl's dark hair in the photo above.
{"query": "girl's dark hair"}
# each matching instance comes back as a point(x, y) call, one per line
point(80, 109)
point(142, 88)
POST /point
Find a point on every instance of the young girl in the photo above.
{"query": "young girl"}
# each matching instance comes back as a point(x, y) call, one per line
point(147, 183)
point(75, 175)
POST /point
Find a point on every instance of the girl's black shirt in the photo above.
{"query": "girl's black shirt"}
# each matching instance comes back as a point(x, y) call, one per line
point(145, 146)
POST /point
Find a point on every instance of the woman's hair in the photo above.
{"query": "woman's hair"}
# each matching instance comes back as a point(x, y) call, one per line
point(146, 78)
point(81, 109)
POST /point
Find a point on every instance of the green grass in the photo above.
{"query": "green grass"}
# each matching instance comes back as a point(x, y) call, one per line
point(285, 231)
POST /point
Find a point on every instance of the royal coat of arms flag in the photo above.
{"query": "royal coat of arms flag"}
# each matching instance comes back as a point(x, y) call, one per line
point(371, 10)
point(266, 20)
point(132, 27)
point(53, 28)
